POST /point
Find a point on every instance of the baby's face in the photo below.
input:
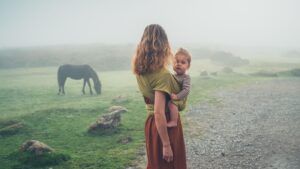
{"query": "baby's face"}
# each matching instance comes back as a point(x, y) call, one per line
point(181, 64)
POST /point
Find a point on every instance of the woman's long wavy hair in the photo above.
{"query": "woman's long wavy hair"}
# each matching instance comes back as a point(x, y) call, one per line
point(153, 52)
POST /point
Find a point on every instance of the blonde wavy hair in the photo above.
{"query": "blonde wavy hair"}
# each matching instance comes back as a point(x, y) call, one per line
point(153, 52)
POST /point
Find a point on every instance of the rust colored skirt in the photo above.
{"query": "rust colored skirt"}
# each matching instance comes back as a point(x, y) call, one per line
point(155, 149)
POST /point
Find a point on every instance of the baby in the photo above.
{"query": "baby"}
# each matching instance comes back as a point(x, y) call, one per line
point(181, 65)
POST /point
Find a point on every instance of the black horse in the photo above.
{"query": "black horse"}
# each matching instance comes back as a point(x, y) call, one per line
point(77, 72)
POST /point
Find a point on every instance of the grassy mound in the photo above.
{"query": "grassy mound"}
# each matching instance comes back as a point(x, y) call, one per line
point(30, 160)
point(10, 127)
point(4, 123)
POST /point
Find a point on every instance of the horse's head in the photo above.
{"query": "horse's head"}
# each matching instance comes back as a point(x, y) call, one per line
point(97, 83)
point(97, 87)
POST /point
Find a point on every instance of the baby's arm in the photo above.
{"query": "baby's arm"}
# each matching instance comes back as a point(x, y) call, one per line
point(174, 96)
point(186, 86)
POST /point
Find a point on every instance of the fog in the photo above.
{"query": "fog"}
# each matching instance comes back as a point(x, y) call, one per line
point(267, 23)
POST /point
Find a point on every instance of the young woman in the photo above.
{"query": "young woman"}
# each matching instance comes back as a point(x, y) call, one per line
point(165, 146)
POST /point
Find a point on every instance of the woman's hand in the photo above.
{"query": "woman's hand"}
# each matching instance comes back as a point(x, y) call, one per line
point(167, 153)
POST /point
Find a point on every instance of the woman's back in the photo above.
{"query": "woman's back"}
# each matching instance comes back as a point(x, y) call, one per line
point(165, 147)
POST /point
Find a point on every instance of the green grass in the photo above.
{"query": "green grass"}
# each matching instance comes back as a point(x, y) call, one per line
point(29, 160)
point(29, 96)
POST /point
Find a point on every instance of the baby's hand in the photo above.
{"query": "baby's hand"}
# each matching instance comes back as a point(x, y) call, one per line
point(174, 96)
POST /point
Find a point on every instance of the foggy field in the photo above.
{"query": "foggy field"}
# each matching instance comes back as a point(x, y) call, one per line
point(29, 95)
point(242, 110)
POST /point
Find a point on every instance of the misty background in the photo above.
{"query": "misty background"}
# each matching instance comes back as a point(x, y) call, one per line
point(50, 33)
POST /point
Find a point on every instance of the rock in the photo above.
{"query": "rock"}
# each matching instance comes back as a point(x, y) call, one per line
point(117, 108)
point(125, 140)
point(107, 121)
point(36, 147)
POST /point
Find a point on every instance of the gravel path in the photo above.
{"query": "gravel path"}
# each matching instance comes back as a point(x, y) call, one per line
point(254, 126)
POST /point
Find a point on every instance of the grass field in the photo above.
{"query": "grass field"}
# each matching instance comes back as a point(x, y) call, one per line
point(30, 96)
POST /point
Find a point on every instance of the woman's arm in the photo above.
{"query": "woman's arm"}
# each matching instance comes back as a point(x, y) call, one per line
point(161, 124)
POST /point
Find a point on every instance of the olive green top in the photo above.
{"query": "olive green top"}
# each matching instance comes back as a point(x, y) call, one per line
point(160, 80)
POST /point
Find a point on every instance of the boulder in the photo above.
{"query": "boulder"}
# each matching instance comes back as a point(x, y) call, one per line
point(35, 147)
point(106, 122)
point(117, 108)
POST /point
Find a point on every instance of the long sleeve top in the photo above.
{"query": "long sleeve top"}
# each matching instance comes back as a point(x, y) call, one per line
point(185, 80)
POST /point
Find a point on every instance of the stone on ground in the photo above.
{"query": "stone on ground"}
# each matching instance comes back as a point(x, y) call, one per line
point(36, 147)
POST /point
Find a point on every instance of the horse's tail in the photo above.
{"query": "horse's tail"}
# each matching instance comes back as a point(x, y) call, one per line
point(97, 83)
point(61, 74)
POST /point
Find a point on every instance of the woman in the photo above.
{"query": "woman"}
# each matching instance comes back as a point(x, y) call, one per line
point(165, 146)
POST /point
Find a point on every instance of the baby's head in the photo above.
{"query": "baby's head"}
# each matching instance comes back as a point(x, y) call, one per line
point(182, 61)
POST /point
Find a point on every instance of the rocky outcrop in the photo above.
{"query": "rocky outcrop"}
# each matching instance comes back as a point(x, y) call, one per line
point(36, 147)
point(106, 122)
point(121, 109)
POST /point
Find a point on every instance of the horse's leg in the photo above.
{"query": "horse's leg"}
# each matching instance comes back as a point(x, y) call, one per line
point(59, 90)
point(84, 82)
point(88, 82)
point(63, 85)
point(59, 85)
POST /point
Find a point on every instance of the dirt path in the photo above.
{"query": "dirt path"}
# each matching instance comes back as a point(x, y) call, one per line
point(255, 126)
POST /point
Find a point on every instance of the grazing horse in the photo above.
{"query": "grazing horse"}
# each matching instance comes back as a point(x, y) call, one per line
point(77, 72)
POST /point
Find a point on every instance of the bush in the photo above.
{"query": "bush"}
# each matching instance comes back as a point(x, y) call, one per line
point(265, 74)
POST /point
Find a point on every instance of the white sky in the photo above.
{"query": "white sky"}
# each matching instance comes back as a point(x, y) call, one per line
point(228, 22)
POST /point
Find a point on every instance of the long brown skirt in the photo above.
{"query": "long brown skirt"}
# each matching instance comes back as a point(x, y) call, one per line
point(155, 149)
